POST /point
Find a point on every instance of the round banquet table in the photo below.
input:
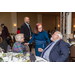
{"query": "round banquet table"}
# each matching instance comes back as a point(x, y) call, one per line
point(15, 59)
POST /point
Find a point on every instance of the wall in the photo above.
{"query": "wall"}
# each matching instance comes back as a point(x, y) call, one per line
point(48, 22)
point(33, 18)
point(5, 17)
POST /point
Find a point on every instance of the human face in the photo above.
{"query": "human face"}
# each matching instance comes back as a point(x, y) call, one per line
point(22, 39)
point(27, 20)
point(55, 36)
point(40, 28)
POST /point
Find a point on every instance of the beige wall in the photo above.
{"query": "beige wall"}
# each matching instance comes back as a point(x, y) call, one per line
point(33, 18)
point(48, 22)
point(5, 17)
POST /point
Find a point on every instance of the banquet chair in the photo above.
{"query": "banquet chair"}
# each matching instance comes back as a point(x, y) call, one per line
point(72, 53)
point(27, 48)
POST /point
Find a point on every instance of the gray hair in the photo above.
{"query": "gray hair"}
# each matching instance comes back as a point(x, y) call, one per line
point(18, 37)
point(60, 35)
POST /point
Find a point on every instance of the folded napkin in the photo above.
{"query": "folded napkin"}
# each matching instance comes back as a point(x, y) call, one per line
point(32, 57)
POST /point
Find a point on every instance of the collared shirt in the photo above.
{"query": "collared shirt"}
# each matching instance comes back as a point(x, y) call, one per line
point(46, 54)
point(29, 28)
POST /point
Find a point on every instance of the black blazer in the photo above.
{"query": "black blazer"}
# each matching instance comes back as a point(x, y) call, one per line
point(4, 45)
point(5, 33)
point(25, 30)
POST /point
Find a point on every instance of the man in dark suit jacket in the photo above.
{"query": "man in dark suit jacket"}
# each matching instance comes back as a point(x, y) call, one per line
point(5, 33)
point(57, 51)
point(26, 30)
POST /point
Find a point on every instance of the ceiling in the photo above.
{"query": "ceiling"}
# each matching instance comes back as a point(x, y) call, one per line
point(54, 13)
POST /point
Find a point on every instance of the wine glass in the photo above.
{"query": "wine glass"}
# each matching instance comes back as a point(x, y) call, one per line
point(10, 55)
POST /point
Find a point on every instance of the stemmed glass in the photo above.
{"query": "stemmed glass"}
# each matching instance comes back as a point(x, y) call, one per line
point(10, 55)
point(26, 53)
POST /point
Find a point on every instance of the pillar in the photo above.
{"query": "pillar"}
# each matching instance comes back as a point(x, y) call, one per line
point(69, 24)
point(57, 22)
point(14, 22)
point(39, 18)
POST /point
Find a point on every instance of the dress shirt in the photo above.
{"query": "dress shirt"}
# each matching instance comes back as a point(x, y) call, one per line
point(29, 28)
point(47, 52)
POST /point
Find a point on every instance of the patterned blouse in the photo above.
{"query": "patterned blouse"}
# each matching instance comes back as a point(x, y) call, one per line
point(18, 47)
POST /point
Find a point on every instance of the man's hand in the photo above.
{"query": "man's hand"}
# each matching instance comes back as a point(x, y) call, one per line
point(30, 37)
point(40, 49)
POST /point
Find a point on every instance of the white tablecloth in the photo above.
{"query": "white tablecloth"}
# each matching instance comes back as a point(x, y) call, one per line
point(38, 59)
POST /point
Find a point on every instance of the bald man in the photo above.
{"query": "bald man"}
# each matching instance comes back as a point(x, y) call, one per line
point(26, 30)
point(57, 51)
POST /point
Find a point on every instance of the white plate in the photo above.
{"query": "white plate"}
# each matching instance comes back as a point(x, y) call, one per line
point(39, 59)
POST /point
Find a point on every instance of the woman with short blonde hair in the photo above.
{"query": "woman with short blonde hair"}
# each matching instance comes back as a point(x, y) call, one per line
point(18, 47)
point(18, 37)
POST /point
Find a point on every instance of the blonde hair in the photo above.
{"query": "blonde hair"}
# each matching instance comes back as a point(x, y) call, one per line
point(18, 37)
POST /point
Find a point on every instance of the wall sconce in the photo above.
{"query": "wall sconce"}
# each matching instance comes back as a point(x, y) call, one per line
point(58, 25)
point(14, 25)
point(74, 26)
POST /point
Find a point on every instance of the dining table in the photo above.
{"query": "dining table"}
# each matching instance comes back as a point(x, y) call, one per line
point(13, 58)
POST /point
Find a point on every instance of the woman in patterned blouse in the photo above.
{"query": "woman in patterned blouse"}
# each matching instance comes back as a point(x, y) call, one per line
point(18, 47)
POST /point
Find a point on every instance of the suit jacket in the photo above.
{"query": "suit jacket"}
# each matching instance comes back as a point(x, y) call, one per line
point(5, 33)
point(60, 52)
point(4, 45)
point(25, 30)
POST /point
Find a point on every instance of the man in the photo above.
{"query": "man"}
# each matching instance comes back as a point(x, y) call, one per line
point(26, 30)
point(57, 51)
point(5, 33)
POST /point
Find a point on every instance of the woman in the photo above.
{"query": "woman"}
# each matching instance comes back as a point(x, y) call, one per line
point(41, 38)
point(18, 31)
point(18, 47)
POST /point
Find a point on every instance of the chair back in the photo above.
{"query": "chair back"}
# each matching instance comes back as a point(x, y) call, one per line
point(72, 50)
point(27, 48)
point(4, 45)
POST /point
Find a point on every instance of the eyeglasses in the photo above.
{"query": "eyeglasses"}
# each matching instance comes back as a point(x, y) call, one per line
point(40, 28)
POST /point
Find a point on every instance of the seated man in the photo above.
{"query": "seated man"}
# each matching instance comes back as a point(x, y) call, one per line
point(57, 51)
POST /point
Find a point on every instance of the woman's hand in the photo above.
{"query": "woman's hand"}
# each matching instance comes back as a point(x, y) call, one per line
point(40, 49)
point(26, 44)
